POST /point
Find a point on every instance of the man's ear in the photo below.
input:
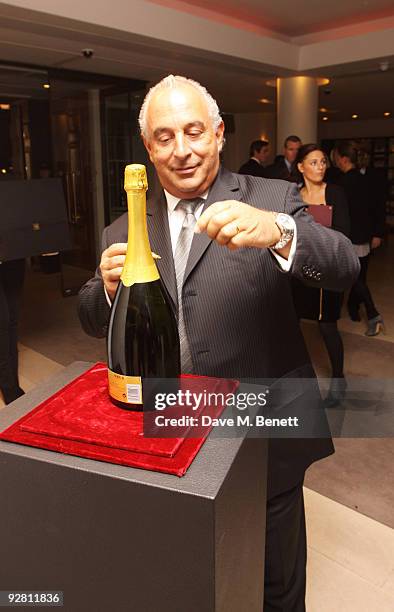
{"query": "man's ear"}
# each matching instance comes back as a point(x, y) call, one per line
point(220, 136)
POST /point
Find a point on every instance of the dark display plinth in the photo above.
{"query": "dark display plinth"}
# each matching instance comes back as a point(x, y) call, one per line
point(116, 538)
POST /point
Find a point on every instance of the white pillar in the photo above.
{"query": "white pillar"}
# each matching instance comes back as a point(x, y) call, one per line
point(297, 113)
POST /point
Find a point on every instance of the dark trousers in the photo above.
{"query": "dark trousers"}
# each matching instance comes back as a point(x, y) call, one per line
point(360, 294)
point(11, 282)
point(285, 553)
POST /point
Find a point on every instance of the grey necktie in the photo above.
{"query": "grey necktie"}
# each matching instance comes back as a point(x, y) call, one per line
point(180, 259)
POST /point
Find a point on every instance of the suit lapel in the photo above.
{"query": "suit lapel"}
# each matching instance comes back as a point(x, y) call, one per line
point(225, 187)
point(160, 241)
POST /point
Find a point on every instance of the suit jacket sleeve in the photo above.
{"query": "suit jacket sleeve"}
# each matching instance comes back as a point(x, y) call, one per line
point(335, 196)
point(93, 308)
point(324, 258)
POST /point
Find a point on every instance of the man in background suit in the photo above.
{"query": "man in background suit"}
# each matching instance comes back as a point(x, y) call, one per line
point(250, 236)
point(285, 167)
point(259, 152)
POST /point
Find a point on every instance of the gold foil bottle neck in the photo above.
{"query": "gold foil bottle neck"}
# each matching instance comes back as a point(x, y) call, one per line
point(135, 178)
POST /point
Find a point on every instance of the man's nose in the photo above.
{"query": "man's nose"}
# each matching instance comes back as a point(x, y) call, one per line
point(182, 147)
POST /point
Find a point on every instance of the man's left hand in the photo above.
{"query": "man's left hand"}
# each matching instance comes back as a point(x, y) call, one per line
point(236, 225)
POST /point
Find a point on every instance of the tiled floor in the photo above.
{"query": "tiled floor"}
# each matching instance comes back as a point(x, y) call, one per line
point(350, 559)
point(350, 555)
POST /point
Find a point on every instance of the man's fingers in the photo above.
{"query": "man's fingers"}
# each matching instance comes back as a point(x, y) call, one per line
point(113, 275)
point(228, 232)
point(236, 242)
point(223, 223)
point(113, 262)
point(118, 248)
point(210, 212)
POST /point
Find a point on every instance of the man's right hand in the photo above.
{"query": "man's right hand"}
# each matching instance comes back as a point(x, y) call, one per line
point(111, 266)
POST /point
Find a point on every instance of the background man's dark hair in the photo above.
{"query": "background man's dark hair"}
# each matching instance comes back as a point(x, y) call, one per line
point(292, 138)
point(347, 148)
point(256, 146)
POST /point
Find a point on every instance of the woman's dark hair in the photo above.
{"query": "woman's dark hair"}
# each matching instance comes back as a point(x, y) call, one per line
point(347, 148)
point(304, 151)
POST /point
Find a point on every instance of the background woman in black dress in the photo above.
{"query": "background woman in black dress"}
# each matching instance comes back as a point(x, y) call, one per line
point(322, 305)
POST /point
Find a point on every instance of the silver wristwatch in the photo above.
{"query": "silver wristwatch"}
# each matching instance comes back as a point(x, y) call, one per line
point(286, 226)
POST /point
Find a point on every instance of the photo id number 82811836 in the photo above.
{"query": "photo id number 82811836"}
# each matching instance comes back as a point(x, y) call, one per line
point(34, 599)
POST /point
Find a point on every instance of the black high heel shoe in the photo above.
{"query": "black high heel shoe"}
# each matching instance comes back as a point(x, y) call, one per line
point(375, 326)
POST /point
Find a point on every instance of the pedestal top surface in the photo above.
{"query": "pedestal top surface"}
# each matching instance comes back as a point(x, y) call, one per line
point(203, 478)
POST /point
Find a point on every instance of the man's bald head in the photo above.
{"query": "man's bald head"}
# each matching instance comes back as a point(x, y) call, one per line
point(183, 134)
point(174, 82)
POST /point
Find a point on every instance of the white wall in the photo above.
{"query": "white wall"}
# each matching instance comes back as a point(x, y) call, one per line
point(248, 127)
point(356, 128)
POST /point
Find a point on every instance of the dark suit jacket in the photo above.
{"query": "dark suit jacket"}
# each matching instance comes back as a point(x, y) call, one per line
point(253, 168)
point(279, 170)
point(377, 196)
point(356, 189)
point(237, 305)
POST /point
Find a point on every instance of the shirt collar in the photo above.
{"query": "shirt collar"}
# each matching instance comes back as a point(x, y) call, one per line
point(172, 201)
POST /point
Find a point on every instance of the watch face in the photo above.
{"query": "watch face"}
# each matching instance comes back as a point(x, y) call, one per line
point(285, 224)
point(284, 221)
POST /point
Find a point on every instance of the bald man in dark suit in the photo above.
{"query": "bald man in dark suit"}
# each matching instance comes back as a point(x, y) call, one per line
point(251, 236)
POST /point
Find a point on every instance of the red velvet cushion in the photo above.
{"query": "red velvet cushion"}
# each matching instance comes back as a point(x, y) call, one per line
point(81, 420)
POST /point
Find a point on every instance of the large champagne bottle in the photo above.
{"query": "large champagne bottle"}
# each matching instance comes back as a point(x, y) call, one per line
point(142, 340)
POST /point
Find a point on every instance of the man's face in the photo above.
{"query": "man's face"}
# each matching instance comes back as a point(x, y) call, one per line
point(263, 154)
point(181, 141)
point(291, 150)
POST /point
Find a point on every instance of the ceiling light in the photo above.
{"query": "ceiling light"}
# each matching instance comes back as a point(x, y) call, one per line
point(325, 118)
point(387, 114)
point(46, 86)
point(323, 110)
point(4, 171)
point(354, 116)
point(5, 106)
point(265, 101)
